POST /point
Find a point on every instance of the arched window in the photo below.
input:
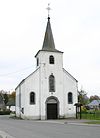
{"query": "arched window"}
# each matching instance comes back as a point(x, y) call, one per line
point(32, 98)
point(70, 98)
point(51, 60)
point(51, 83)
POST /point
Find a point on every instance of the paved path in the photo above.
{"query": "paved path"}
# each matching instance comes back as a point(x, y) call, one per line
point(5, 135)
point(73, 122)
point(46, 129)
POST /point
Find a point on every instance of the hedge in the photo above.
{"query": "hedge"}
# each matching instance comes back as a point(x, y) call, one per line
point(5, 112)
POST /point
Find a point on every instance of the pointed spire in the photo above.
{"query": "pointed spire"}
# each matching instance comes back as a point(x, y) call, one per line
point(48, 43)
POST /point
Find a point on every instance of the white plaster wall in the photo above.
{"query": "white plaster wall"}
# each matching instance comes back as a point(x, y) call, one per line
point(46, 69)
point(70, 85)
point(20, 92)
point(38, 82)
point(32, 85)
point(17, 102)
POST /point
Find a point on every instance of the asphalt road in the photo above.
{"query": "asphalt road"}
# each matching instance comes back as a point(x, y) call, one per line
point(45, 129)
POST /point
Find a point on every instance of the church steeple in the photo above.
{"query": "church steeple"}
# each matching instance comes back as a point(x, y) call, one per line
point(48, 43)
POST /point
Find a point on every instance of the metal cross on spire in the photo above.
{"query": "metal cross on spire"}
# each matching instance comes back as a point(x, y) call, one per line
point(48, 8)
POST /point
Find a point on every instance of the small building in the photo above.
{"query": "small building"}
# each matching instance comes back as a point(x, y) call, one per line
point(50, 92)
point(95, 104)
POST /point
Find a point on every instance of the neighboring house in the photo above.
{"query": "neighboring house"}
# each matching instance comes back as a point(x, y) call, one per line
point(50, 92)
point(2, 105)
point(95, 104)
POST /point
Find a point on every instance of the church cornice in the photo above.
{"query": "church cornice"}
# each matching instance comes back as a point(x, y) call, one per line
point(48, 51)
point(26, 78)
point(69, 75)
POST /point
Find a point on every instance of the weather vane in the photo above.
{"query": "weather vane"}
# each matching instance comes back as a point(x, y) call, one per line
point(48, 8)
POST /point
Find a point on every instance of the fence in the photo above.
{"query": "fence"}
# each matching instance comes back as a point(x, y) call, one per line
point(91, 115)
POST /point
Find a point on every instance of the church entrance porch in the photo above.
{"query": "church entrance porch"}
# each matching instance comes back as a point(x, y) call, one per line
point(52, 108)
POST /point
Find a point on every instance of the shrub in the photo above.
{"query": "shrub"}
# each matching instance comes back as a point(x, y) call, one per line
point(5, 112)
point(83, 109)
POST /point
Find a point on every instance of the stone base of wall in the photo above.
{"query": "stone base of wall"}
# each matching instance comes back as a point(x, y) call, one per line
point(44, 118)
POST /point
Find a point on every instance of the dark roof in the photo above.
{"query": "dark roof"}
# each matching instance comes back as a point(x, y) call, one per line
point(48, 43)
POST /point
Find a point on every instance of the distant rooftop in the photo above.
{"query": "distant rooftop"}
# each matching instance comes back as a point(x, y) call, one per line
point(94, 102)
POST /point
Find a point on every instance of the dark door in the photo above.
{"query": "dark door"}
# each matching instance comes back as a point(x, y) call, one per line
point(52, 111)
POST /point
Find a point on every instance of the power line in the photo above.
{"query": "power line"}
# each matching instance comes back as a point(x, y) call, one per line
point(18, 71)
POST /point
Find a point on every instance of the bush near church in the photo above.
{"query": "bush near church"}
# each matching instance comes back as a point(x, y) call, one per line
point(5, 112)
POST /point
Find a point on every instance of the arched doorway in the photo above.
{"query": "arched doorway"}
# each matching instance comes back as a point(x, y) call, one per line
point(52, 107)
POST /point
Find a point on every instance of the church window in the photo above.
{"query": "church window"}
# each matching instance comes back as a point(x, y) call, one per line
point(51, 83)
point(51, 59)
point(70, 98)
point(37, 61)
point(32, 98)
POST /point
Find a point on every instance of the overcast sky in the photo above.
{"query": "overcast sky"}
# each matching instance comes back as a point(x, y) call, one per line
point(76, 30)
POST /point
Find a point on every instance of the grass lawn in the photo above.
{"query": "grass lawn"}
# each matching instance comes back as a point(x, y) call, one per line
point(94, 115)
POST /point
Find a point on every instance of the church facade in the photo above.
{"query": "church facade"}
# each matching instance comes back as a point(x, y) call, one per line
point(50, 92)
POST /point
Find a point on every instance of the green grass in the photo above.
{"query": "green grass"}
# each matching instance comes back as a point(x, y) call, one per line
point(91, 115)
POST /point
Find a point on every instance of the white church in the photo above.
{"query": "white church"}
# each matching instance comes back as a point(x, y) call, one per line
point(50, 92)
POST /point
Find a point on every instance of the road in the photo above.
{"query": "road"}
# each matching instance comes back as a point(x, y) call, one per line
point(45, 129)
